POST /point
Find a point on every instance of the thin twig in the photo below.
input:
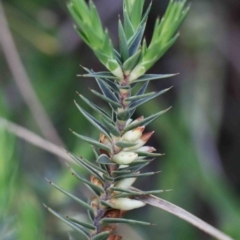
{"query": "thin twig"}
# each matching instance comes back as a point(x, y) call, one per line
point(148, 199)
point(22, 80)
point(34, 139)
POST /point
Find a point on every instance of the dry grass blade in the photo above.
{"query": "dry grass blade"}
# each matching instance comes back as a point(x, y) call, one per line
point(34, 139)
point(183, 214)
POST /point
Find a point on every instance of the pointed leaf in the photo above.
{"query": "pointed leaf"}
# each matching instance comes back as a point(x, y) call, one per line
point(110, 84)
point(123, 220)
point(143, 88)
point(128, 28)
point(72, 225)
point(138, 102)
point(101, 236)
point(88, 165)
point(136, 12)
point(136, 40)
point(83, 224)
point(123, 42)
point(147, 154)
point(82, 203)
point(94, 122)
point(131, 62)
point(123, 144)
point(145, 121)
point(112, 129)
point(114, 104)
point(105, 160)
point(106, 91)
point(137, 97)
point(149, 77)
point(106, 204)
point(141, 99)
point(95, 107)
point(123, 115)
point(98, 75)
point(93, 142)
point(96, 189)
point(137, 167)
point(133, 175)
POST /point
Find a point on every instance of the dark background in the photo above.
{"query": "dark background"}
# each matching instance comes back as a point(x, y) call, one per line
point(200, 135)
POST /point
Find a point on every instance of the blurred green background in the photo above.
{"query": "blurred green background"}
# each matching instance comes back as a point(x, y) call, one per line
point(200, 135)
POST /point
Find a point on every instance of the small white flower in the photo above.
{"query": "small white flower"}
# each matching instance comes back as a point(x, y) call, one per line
point(133, 135)
point(125, 183)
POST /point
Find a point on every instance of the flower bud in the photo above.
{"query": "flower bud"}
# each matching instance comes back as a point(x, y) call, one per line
point(133, 135)
point(125, 204)
point(124, 158)
point(125, 183)
point(146, 149)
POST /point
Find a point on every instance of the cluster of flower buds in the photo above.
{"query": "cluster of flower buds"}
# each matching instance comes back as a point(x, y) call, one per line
point(137, 139)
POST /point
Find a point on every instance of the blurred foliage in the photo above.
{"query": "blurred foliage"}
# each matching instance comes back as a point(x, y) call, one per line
point(200, 135)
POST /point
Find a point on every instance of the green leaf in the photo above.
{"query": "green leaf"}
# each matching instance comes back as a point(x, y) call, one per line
point(108, 178)
point(128, 28)
point(89, 169)
point(110, 84)
point(123, 42)
point(82, 203)
point(110, 101)
point(101, 236)
point(95, 107)
point(105, 160)
point(123, 144)
point(138, 166)
point(147, 154)
point(106, 204)
point(108, 94)
point(136, 13)
point(136, 40)
point(72, 225)
point(123, 115)
point(83, 224)
point(87, 164)
point(123, 220)
point(94, 122)
point(149, 77)
point(127, 193)
point(145, 16)
point(98, 75)
point(133, 175)
point(96, 189)
point(131, 62)
point(112, 129)
point(141, 99)
point(142, 89)
point(137, 97)
point(93, 142)
point(145, 121)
